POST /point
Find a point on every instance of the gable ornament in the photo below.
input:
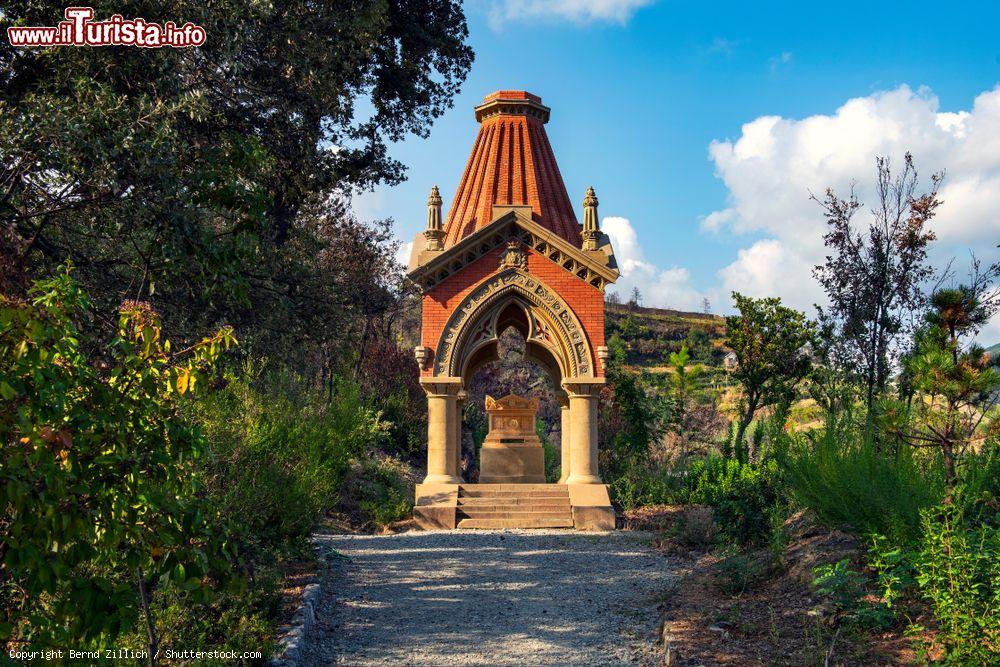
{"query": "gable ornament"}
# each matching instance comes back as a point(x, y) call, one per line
point(513, 257)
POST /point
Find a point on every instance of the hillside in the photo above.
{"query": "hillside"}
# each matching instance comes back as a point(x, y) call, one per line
point(651, 334)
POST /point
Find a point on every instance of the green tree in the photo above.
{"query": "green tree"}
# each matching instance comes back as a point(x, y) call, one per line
point(831, 383)
point(768, 340)
point(99, 498)
point(213, 181)
point(874, 278)
point(956, 381)
point(682, 385)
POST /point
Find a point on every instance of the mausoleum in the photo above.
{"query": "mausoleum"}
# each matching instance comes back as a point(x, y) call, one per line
point(511, 253)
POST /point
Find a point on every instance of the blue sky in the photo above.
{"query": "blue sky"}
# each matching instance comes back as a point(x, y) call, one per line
point(640, 90)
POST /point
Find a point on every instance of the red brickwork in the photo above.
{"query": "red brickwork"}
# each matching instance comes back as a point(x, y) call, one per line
point(585, 300)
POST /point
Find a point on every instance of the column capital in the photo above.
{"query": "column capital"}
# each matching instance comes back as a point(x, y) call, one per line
point(442, 386)
point(583, 387)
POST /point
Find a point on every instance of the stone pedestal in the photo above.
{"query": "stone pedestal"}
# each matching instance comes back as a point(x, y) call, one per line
point(511, 452)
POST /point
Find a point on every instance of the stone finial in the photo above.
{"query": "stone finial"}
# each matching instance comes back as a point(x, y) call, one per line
point(591, 228)
point(435, 232)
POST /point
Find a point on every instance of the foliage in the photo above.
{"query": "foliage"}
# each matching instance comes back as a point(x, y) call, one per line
point(232, 621)
point(280, 451)
point(873, 278)
point(389, 381)
point(838, 474)
point(630, 420)
point(769, 341)
point(650, 335)
point(381, 492)
point(894, 567)
point(696, 528)
point(846, 589)
point(744, 495)
point(739, 570)
point(682, 386)
point(214, 181)
point(958, 572)
point(832, 383)
point(101, 499)
point(551, 453)
point(956, 384)
point(641, 485)
point(978, 494)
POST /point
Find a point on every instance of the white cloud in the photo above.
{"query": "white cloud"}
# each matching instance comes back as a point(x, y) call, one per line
point(403, 253)
point(502, 12)
point(774, 165)
point(663, 288)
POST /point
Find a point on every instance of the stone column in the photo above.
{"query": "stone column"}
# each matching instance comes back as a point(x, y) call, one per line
point(459, 406)
point(564, 436)
point(442, 399)
point(583, 433)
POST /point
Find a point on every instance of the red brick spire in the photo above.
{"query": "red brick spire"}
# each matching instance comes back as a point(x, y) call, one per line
point(511, 164)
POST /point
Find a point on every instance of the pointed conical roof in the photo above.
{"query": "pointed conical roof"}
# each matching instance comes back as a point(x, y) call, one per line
point(511, 164)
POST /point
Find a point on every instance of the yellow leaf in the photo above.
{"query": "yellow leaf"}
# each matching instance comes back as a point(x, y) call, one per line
point(182, 381)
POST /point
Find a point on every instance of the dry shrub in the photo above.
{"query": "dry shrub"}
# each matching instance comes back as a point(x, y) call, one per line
point(696, 528)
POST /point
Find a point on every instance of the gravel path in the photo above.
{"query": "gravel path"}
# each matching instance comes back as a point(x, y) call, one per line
point(532, 597)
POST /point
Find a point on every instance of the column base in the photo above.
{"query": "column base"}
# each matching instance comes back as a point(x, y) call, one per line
point(436, 506)
point(442, 479)
point(583, 479)
point(592, 508)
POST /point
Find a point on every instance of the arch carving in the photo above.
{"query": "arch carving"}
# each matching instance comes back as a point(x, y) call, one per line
point(551, 324)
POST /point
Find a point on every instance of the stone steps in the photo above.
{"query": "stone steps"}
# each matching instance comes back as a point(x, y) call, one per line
point(475, 510)
point(514, 501)
point(507, 514)
point(514, 506)
point(506, 491)
point(493, 524)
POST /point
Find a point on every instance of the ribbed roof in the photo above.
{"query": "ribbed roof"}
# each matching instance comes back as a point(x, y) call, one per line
point(511, 164)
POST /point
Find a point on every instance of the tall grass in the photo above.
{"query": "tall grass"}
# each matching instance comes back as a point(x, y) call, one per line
point(843, 478)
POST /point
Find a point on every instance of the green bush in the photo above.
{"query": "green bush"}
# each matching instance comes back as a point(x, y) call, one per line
point(239, 622)
point(279, 452)
point(552, 454)
point(382, 492)
point(847, 483)
point(846, 589)
point(958, 572)
point(745, 496)
point(99, 502)
point(641, 485)
point(739, 570)
point(978, 494)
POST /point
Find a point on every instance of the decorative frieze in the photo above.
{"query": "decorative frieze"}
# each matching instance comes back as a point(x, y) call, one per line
point(553, 324)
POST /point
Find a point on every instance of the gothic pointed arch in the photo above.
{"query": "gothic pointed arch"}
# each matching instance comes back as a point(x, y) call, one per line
point(549, 324)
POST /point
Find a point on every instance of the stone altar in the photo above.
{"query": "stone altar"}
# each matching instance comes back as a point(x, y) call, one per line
point(511, 452)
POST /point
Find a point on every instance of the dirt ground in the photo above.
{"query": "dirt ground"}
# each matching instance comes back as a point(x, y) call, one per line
point(767, 613)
